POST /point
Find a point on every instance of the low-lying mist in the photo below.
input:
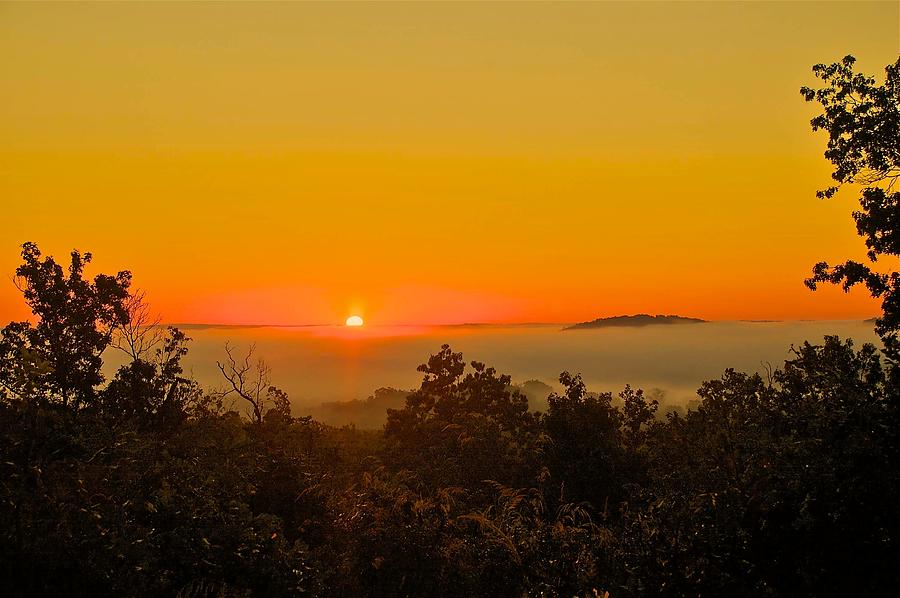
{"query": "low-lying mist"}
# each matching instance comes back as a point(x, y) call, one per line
point(317, 365)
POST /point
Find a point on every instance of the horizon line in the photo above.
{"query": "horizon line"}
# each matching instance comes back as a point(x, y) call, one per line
point(474, 324)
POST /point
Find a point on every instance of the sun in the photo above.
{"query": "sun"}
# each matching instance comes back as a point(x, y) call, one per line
point(354, 321)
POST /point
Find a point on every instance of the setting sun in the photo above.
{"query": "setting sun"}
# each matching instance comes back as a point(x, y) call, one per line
point(354, 321)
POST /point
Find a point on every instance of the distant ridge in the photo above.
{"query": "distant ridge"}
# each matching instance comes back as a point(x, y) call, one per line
point(634, 321)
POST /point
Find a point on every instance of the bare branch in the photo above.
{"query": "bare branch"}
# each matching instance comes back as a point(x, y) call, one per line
point(141, 331)
point(249, 381)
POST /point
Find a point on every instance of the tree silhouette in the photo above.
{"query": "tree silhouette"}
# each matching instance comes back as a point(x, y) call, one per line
point(59, 356)
point(140, 332)
point(461, 428)
point(152, 390)
point(863, 124)
point(251, 382)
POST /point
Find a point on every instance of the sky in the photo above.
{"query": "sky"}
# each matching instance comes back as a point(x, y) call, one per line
point(433, 163)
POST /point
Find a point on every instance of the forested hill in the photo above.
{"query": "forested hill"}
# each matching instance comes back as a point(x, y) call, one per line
point(634, 321)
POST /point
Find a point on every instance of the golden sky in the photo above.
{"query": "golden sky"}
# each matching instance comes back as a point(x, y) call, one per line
point(428, 163)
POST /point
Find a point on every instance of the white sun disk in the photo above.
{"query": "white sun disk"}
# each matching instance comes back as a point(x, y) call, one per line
point(354, 321)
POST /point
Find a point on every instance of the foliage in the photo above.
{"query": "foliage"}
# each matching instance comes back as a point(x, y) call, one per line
point(59, 357)
point(153, 392)
point(463, 428)
point(781, 488)
point(862, 120)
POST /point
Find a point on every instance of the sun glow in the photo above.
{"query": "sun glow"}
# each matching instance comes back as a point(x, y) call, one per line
point(354, 321)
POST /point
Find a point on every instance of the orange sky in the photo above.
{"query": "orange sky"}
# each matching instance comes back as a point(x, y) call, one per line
point(430, 163)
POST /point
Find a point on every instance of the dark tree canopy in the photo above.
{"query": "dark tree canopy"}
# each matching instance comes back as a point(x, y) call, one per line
point(153, 390)
point(59, 356)
point(462, 427)
point(862, 120)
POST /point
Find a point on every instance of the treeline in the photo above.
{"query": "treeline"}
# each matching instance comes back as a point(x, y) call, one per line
point(371, 413)
point(150, 485)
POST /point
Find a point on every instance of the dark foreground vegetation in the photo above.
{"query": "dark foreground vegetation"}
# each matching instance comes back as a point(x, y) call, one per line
point(147, 484)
